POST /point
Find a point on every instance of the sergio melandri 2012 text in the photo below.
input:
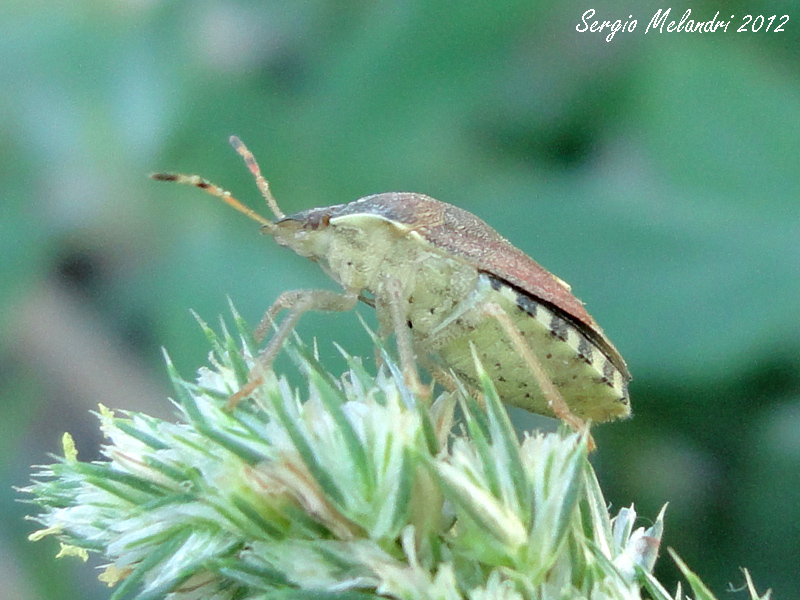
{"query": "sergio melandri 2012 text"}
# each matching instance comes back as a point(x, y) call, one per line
point(660, 22)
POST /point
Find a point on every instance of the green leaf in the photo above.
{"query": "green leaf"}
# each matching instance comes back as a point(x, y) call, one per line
point(699, 589)
point(333, 398)
point(143, 569)
point(653, 586)
point(504, 435)
point(306, 450)
point(223, 500)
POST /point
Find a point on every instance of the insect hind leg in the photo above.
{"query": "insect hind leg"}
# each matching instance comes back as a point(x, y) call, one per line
point(555, 401)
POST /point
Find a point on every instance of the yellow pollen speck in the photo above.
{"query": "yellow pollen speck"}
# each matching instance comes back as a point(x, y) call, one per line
point(113, 574)
point(42, 533)
point(68, 550)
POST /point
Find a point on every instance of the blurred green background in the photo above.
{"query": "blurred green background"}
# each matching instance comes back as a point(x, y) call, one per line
point(659, 174)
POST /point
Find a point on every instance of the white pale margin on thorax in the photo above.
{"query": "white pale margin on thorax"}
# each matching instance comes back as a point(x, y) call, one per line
point(363, 220)
point(562, 331)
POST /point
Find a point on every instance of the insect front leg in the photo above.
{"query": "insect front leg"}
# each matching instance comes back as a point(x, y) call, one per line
point(298, 303)
point(555, 401)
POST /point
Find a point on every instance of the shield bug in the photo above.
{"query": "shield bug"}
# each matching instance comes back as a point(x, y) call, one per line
point(450, 288)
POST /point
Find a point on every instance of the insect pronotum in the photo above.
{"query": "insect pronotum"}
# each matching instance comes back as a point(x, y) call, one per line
point(445, 283)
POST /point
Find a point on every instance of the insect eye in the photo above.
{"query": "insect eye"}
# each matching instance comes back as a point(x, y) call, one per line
point(316, 222)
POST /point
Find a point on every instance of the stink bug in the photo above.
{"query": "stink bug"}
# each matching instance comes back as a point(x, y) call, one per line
point(450, 288)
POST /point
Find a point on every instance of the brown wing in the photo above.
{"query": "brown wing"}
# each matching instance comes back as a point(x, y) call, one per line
point(464, 235)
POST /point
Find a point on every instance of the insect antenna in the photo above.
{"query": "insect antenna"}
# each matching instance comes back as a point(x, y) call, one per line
point(216, 191)
point(261, 182)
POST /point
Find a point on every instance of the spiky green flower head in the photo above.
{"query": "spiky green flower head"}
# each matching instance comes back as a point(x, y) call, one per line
point(349, 488)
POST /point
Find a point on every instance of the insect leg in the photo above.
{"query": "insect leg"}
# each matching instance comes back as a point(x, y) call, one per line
point(286, 300)
point(398, 309)
point(555, 401)
point(385, 329)
point(449, 382)
point(298, 303)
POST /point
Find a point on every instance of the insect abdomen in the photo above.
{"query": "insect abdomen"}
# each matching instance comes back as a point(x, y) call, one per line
point(593, 387)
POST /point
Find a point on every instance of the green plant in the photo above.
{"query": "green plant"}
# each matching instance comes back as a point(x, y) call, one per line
point(353, 489)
